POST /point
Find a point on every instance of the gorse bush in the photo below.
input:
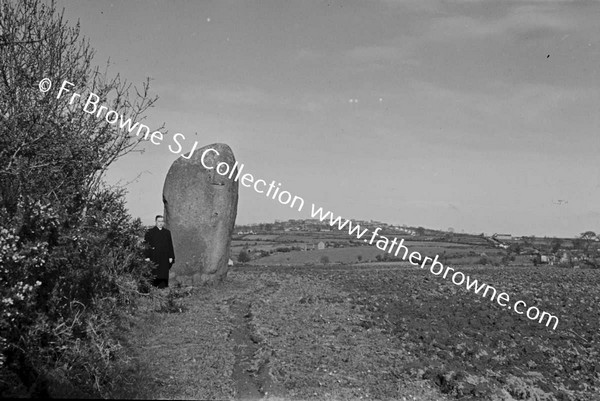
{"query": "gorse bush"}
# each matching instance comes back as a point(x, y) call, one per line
point(243, 257)
point(484, 260)
point(70, 255)
point(62, 291)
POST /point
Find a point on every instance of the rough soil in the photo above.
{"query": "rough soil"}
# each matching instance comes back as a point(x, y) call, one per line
point(350, 333)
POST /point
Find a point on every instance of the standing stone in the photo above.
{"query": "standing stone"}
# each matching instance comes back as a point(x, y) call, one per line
point(200, 210)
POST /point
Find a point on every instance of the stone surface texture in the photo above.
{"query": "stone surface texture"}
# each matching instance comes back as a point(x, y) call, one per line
point(200, 207)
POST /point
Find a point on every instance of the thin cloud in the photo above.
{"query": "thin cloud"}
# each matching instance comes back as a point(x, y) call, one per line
point(522, 20)
point(246, 95)
point(374, 53)
point(378, 57)
point(465, 19)
point(305, 54)
point(502, 115)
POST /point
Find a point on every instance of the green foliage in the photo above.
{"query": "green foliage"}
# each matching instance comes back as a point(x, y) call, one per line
point(70, 255)
point(50, 149)
point(578, 243)
point(528, 240)
point(588, 235)
point(588, 238)
point(243, 257)
point(515, 248)
point(62, 288)
point(555, 245)
point(171, 303)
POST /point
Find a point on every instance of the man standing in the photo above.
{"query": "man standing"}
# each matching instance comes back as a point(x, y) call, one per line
point(160, 252)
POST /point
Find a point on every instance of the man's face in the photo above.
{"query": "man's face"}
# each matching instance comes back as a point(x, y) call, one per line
point(160, 222)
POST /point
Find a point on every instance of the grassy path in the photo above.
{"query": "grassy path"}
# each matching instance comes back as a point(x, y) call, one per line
point(267, 335)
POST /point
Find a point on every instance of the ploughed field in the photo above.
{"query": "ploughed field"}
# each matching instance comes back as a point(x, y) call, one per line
point(375, 332)
point(463, 344)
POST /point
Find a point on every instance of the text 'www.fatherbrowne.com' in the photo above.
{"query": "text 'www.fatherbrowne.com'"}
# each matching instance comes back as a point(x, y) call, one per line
point(92, 106)
point(436, 268)
point(383, 243)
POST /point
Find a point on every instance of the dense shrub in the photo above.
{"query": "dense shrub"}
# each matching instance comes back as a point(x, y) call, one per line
point(484, 260)
point(70, 256)
point(243, 257)
point(62, 289)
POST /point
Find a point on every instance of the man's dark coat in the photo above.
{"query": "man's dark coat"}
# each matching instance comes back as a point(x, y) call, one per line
point(160, 249)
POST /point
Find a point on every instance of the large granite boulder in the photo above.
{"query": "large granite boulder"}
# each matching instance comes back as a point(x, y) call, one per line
point(200, 209)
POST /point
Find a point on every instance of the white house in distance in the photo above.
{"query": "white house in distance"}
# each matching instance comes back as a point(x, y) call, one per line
point(321, 245)
point(502, 237)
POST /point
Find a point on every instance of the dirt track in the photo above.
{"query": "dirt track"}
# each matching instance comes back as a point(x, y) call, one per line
point(360, 333)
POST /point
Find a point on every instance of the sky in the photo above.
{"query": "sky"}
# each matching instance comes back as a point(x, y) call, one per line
point(480, 115)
